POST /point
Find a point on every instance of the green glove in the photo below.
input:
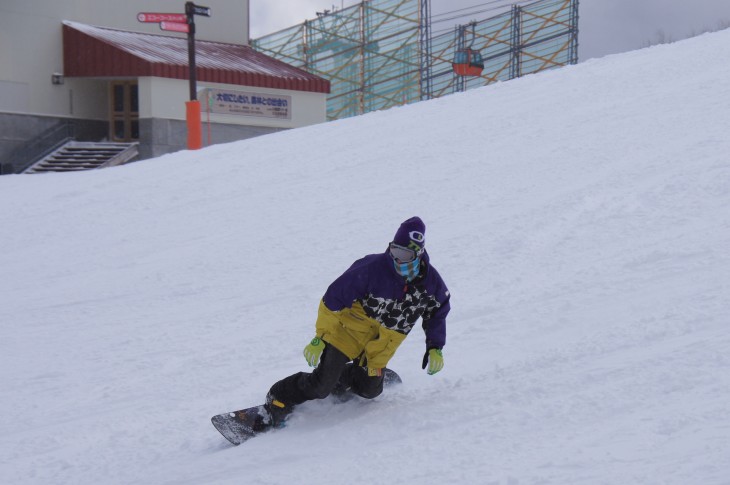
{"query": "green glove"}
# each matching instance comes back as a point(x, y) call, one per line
point(313, 351)
point(434, 358)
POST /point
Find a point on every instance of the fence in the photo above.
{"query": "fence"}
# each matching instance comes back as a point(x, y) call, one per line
point(380, 53)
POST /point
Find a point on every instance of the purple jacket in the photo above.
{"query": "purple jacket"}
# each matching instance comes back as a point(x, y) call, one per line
point(386, 297)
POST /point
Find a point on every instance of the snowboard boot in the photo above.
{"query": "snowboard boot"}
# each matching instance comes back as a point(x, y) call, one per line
point(278, 411)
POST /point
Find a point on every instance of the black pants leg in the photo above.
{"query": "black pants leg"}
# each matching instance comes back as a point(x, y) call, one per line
point(356, 378)
point(333, 368)
point(305, 386)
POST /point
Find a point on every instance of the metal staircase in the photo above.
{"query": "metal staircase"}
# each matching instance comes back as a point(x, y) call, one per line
point(74, 156)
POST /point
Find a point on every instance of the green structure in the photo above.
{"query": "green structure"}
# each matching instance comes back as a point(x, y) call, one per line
point(380, 53)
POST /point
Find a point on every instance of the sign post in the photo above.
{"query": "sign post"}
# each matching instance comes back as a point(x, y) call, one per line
point(185, 22)
point(195, 126)
point(148, 17)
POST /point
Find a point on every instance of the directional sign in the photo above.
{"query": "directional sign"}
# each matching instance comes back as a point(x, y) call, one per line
point(175, 26)
point(200, 10)
point(162, 17)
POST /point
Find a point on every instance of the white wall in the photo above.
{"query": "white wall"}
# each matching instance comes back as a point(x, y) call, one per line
point(88, 98)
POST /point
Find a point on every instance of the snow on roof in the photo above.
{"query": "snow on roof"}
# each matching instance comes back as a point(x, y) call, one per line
point(91, 51)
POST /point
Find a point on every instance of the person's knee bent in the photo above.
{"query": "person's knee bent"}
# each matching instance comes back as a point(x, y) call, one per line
point(370, 393)
point(320, 383)
point(320, 389)
point(366, 386)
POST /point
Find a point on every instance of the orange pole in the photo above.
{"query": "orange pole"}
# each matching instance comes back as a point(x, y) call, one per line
point(207, 111)
point(195, 127)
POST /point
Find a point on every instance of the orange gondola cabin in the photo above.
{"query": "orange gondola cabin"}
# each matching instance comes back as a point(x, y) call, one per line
point(468, 62)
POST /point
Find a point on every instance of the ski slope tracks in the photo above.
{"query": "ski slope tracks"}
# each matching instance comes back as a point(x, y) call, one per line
point(580, 218)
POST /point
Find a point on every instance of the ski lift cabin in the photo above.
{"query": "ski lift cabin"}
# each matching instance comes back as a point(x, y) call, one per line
point(468, 62)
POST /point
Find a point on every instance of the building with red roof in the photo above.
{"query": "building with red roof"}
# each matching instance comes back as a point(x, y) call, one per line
point(100, 74)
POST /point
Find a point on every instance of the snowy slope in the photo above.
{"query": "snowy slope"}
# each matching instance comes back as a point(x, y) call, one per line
point(580, 218)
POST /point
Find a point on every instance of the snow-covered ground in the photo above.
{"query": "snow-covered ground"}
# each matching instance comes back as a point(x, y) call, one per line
point(580, 218)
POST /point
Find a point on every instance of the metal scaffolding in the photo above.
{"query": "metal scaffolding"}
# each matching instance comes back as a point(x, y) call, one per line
point(381, 53)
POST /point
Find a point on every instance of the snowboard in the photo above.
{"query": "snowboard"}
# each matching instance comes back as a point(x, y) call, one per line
point(242, 425)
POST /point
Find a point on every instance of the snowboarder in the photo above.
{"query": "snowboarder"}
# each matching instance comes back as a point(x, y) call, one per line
point(363, 317)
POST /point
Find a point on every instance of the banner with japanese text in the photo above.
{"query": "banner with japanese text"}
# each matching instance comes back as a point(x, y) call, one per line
point(243, 103)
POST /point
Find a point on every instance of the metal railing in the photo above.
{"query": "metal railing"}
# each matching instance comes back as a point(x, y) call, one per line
point(48, 141)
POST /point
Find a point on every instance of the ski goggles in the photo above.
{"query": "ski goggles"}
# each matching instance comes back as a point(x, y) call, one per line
point(402, 254)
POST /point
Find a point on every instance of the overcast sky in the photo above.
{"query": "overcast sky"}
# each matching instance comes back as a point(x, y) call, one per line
point(606, 26)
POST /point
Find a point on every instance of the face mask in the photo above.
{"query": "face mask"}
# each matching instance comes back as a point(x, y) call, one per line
point(408, 270)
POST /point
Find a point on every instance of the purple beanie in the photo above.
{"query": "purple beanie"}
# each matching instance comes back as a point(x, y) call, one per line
point(411, 233)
